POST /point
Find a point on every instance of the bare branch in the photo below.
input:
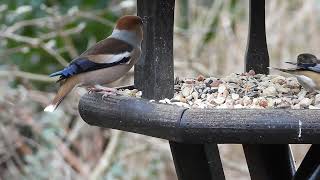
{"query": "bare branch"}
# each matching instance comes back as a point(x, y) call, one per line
point(94, 17)
point(29, 40)
point(10, 51)
point(32, 22)
point(105, 160)
point(26, 75)
point(55, 54)
point(67, 32)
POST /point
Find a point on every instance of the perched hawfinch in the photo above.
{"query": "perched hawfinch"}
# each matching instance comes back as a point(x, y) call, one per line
point(103, 63)
point(306, 70)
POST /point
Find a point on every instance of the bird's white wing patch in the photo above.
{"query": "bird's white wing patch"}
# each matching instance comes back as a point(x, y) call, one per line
point(306, 82)
point(108, 58)
point(118, 57)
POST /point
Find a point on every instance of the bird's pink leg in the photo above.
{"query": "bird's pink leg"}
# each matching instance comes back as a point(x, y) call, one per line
point(105, 90)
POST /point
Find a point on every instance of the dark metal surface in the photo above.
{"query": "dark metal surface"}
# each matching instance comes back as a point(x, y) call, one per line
point(310, 166)
point(267, 162)
point(154, 76)
point(130, 87)
point(253, 126)
point(257, 57)
point(197, 161)
point(130, 114)
point(154, 71)
point(214, 161)
point(316, 174)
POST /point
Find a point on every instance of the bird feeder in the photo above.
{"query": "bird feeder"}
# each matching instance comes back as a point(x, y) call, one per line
point(193, 134)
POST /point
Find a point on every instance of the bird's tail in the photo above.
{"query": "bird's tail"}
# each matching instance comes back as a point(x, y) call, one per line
point(290, 71)
point(58, 73)
point(292, 63)
point(64, 90)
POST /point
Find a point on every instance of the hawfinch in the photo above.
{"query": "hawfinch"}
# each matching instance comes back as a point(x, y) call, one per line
point(306, 70)
point(104, 62)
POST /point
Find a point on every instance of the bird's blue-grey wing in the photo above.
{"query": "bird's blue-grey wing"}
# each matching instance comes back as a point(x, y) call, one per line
point(107, 53)
point(81, 65)
point(315, 68)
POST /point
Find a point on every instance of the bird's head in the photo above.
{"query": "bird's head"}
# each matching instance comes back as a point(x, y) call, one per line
point(129, 29)
point(306, 58)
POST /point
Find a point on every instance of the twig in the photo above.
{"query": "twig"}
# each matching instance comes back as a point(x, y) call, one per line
point(29, 40)
point(27, 75)
point(154, 143)
point(69, 46)
point(55, 54)
point(133, 151)
point(10, 51)
point(35, 42)
point(39, 96)
point(73, 134)
point(12, 151)
point(64, 33)
point(105, 160)
point(94, 17)
point(71, 158)
point(31, 22)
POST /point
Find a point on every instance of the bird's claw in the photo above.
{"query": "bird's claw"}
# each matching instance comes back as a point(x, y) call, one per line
point(106, 95)
point(102, 89)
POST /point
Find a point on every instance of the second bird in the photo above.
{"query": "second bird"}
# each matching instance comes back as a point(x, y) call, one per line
point(306, 70)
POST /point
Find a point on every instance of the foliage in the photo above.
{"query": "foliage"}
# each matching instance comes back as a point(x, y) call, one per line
point(36, 32)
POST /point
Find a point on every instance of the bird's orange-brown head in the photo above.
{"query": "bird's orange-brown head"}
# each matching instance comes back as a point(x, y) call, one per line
point(130, 23)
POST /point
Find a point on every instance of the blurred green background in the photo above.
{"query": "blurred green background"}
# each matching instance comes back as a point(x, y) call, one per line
point(38, 37)
point(43, 29)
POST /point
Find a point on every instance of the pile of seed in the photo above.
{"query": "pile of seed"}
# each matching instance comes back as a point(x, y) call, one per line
point(131, 93)
point(247, 90)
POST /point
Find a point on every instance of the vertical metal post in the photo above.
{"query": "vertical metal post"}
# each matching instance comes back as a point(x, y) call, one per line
point(154, 76)
point(197, 161)
point(310, 166)
point(264, 161)
point(154, 71)
point(316, 174)
point(269, 161)
point(214, 161)
point(257, 57)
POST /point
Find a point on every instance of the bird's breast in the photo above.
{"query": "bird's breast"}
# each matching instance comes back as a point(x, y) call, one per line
point(104, 76)
point(307, 82)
